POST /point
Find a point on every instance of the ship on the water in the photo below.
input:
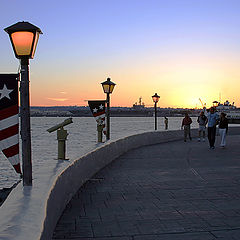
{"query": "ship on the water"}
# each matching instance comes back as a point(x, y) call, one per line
point(231, 111)
point(137, 110)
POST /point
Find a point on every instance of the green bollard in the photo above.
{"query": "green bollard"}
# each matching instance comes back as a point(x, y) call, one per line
point(62, 137)
point(100, 129)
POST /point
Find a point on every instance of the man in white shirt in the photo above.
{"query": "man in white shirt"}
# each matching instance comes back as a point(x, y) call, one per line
point(213, 119)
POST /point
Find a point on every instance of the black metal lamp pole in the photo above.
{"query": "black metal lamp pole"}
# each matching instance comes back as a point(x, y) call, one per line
point(155, 106)
point(108, 116)
point(25, 123)
point(108, 87)
point(24, 37)
point(155, 98)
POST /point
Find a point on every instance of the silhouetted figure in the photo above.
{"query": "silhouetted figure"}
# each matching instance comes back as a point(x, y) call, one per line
point(223, 128)
point(186, 122)
point(202, 121)
point(166, 123)
point(212, 123)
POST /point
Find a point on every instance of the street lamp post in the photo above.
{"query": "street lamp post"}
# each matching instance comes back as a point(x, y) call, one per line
point(108, 87)
point(24, 37)
point(155, 98)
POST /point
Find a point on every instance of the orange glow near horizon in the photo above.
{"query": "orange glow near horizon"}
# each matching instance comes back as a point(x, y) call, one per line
point(177, 87)
point(179, 81)
point(185, 97)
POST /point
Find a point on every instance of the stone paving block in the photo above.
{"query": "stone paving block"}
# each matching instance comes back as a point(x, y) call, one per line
point(227, 234)
point(104, 238)
point(59, 235)
point(214, 223)
point(128, 217)
point(176, 236)
point(66, 227)
point(172, 227)
point(106, 229)
point(129, 227)
point(233, 222)
point(230, 213)
point(116, 238)
point(67, 218)
point(81, 231)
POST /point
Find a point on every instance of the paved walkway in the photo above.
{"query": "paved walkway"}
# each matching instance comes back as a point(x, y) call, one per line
point(174, 191)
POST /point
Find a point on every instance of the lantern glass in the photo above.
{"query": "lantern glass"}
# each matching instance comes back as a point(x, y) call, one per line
point(22, 42)
point(111, 87)
point(155, 98)
point(108, 86)
point(105, 88)
point(35, 44)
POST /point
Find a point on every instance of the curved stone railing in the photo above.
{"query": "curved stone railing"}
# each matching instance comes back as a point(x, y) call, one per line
point(72, 178)
point(24, 216)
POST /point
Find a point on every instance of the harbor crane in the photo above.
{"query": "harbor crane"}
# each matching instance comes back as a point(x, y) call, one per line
point(203, 105)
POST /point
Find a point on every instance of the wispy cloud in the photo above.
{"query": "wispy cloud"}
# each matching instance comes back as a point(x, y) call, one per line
point(63, 92)
point(58, 99)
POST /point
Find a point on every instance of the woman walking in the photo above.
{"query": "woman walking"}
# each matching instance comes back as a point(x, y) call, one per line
point(223, 128)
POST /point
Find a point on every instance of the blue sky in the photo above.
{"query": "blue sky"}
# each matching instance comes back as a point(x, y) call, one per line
point(144, 46)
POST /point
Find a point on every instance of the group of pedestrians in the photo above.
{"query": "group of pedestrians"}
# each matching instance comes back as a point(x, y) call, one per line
point(210, 122)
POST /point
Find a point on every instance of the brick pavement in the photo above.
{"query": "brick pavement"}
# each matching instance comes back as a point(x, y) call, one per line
point(170, 191)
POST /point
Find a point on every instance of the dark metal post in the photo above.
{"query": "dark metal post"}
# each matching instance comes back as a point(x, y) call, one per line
point(25, 123)
point(108, 116)
point(155, 106)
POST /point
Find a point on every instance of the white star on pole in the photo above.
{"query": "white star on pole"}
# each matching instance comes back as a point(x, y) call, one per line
point(5, 92)
point(101, 107)
point(95, 110)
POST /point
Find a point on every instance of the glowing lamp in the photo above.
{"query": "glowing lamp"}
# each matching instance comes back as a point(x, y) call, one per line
point(155, 98)
point(108, 86)
point(24, 37)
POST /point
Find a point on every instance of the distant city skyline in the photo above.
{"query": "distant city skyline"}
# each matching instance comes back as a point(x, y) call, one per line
point(181, 49)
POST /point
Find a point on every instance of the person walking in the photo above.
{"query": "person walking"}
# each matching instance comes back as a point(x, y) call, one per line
point(223, 128)
point(213, 119)
point(186, 122)
point(166, 123)
point(202, 121)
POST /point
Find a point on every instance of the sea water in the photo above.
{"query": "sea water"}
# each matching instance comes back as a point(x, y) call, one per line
point(82, 139)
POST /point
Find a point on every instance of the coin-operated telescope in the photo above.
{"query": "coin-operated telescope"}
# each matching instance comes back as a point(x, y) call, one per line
point(61, 137)
point(100, 129)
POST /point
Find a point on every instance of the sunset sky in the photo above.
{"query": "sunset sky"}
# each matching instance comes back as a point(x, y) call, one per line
point(181, 49)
